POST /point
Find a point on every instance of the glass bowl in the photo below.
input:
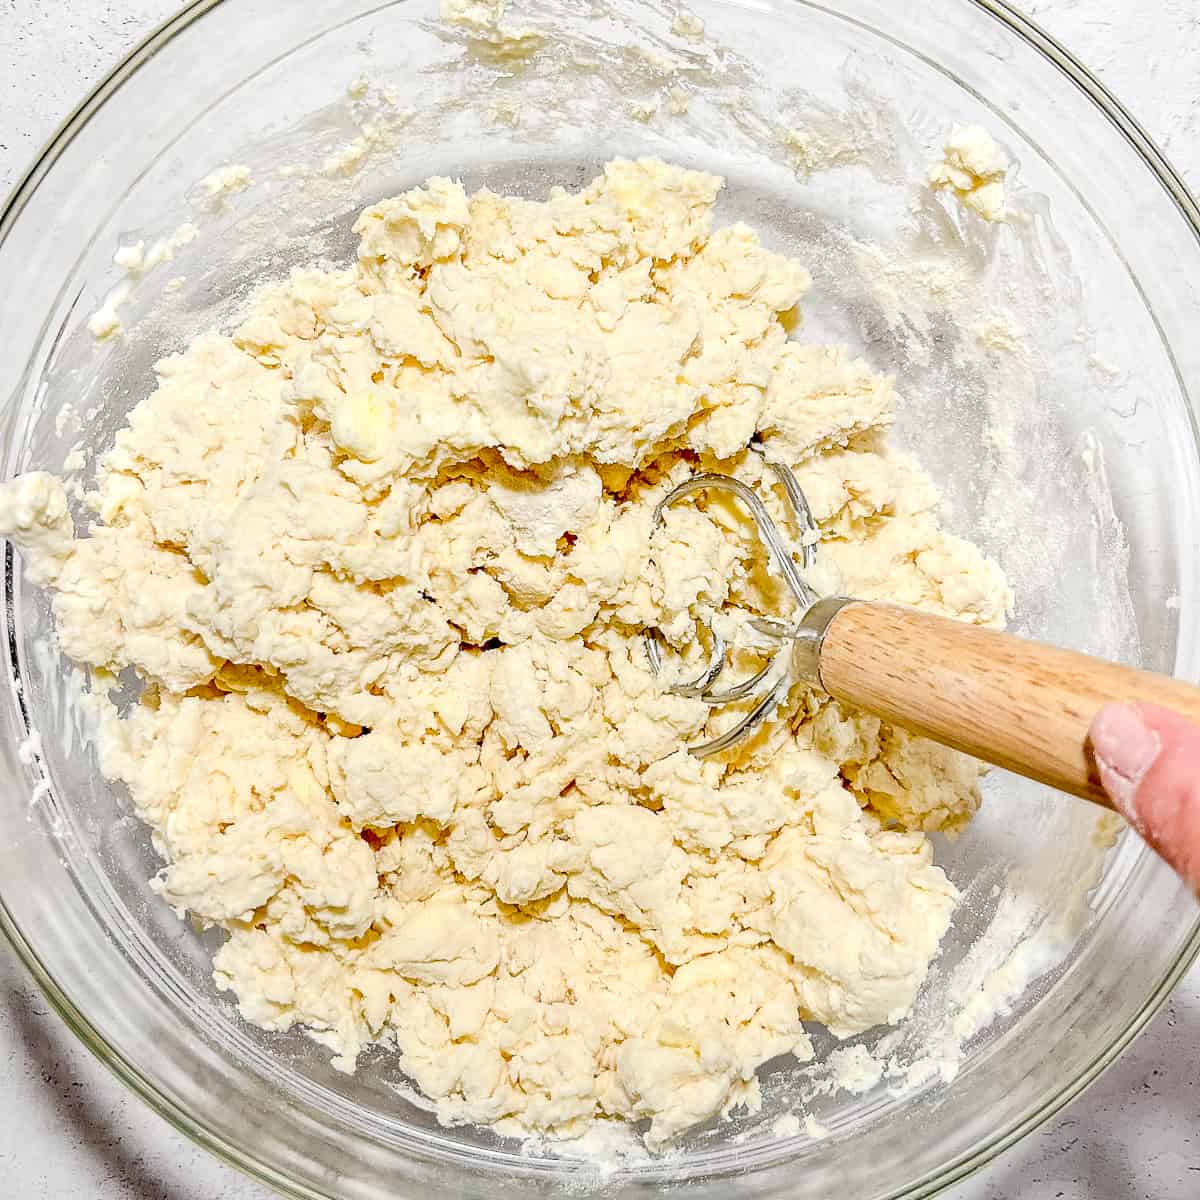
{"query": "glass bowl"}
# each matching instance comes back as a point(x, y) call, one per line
point(1049, 372)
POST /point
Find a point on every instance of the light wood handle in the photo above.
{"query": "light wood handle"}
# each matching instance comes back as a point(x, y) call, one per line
point(1014, 703)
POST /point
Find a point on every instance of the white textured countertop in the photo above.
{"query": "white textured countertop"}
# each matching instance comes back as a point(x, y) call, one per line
point(68, 1129)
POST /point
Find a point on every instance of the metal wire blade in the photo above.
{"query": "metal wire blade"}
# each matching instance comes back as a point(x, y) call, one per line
point(781, 555)
point(701, 683)
point(747, 725)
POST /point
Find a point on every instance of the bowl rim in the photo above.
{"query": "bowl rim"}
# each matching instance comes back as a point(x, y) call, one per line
point(241, 1157)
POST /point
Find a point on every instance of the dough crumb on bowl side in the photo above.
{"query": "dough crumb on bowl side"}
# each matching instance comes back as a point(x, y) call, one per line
point(382, 557)
point(973, 168)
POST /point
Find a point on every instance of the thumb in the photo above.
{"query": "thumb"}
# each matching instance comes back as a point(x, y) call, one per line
point(1149, 763)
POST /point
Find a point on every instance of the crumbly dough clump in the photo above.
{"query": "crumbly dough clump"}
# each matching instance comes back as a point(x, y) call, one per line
point(382, 557)
point(973, 168)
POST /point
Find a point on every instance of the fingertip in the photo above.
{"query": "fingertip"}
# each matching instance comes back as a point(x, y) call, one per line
point(1125, 749)
point(1148, 759)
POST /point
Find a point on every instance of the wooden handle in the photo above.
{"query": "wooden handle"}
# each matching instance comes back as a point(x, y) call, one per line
point(1015, 703)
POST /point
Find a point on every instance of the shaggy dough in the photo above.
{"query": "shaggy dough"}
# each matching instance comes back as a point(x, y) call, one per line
point(973, 167)
point(382, 558)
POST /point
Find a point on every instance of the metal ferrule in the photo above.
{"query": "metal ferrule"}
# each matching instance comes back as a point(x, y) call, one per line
point(809, 634)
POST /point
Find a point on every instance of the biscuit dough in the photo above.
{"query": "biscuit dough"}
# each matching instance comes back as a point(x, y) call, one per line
point(973, 168)
point(382, 559)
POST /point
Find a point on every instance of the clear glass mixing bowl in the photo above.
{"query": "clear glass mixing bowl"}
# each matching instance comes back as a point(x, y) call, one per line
point(1049, 369)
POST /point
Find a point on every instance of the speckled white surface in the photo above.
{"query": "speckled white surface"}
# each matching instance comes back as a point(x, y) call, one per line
point(67, 1129)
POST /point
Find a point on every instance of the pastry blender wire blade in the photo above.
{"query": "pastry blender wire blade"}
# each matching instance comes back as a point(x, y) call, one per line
point(771, 684)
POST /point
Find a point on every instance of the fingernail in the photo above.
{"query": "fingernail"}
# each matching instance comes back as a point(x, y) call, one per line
point(1125, 750)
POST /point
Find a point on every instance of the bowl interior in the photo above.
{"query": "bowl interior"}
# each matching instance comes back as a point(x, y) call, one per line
point(1044, 376)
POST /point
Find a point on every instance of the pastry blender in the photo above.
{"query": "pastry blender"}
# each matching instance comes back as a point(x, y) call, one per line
point(1014, 703)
